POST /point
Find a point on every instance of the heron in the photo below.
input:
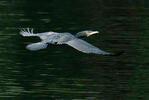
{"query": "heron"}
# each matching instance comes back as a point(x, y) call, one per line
point(57, 38)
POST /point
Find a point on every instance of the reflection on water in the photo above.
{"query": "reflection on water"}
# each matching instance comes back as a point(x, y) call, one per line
point(63, 73)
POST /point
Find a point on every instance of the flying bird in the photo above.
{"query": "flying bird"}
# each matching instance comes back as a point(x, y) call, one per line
point(64, 38)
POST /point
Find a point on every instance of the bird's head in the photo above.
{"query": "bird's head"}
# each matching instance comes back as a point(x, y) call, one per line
point(86, 33)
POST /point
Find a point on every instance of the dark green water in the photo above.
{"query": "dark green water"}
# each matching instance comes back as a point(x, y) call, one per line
point(63, 73)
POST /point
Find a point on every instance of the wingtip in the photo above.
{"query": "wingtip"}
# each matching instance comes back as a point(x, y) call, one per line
point(116, 54)
point(27, 32)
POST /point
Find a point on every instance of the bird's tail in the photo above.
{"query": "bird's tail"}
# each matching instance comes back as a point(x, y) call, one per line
point(27, 32)
point(36, 46)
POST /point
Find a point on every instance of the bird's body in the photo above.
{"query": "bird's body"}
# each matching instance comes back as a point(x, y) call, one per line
point(63, 38)
point(59, 38)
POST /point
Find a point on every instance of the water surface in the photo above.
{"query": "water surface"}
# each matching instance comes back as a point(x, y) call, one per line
point(63, 73)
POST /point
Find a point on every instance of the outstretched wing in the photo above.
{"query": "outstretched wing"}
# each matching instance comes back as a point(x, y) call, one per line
point(29, 32)
point(85, 47)
point(36, 46)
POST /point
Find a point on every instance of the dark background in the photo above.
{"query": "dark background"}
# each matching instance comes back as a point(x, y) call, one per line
point(63, 73)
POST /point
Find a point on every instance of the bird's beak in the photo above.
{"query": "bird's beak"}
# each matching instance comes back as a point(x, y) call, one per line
point(94, 32)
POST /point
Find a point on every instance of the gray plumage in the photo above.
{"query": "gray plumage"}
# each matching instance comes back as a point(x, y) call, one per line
point(63, 38)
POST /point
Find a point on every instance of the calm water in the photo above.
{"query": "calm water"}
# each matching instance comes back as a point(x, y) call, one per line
point(63, 73)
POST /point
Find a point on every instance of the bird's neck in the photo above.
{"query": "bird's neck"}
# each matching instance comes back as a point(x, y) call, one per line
point(80, 35)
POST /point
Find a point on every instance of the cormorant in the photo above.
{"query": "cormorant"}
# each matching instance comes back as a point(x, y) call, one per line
point(63, 38)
